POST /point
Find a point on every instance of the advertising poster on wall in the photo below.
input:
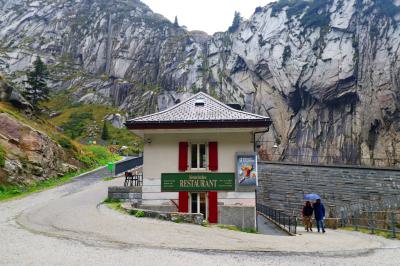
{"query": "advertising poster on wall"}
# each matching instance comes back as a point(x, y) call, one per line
point(246, 169)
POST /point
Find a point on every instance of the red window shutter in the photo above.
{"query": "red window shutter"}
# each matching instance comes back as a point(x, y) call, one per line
point(183, 156)
point(213, 207)
point(213, 156)
point(183, 202)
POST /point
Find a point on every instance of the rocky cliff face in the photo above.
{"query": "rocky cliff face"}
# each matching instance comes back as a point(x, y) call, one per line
point(26, 154)
point(29, 154)
point(325, 71)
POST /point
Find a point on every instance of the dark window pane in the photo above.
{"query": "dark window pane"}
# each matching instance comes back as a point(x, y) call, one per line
point(194, 202)
point(203, 204)
point(202, 155)
point(194, 155)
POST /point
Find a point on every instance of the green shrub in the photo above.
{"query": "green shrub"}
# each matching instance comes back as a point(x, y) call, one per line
point(104, 133)
point(108, 200)
point(178, 220)
point(76, 124)
point(2, 156)
point(139, 214)
point(205, 223)
point(65, 143)
point(237, 19)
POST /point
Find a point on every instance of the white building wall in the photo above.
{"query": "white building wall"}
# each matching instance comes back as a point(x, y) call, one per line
point(162, 156)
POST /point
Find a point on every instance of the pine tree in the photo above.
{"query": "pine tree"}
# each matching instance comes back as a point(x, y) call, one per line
point(37, 89)
point(237, 19)
point(176, 21)
point(104, 133)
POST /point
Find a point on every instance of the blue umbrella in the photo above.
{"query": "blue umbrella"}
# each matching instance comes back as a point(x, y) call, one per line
point(311, 196)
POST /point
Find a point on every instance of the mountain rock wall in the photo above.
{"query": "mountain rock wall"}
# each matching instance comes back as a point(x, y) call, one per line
point(326, 72)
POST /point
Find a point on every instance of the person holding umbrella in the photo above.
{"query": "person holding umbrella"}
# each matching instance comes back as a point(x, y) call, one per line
point(307, 215)
point(319, 212)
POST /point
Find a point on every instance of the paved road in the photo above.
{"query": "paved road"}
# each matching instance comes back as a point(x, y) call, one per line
point(66, 226)
point(266, 227)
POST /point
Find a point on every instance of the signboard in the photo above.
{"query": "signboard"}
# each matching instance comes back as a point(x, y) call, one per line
point(172, 182)
point(246, 169)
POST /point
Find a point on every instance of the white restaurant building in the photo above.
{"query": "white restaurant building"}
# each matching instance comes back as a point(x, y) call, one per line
point(193, 159)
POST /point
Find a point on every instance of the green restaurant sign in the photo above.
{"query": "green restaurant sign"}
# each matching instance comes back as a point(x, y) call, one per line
point(172, 182)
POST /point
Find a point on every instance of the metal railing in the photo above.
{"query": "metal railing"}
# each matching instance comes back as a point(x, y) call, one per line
point(288, 222)
point(133, 180)
point(127, 164)
point(386, 221)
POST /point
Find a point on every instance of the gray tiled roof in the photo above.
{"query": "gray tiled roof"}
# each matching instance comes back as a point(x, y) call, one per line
point(212, 110)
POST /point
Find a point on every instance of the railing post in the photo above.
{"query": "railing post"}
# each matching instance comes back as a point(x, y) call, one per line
point(371, 226)
point(356, 222)
point(279, 217)
point(343, 218)
point(393, 224)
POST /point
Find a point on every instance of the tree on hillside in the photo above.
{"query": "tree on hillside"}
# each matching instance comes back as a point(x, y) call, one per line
point(176, 21)
point(37, 89)
point(104, 133)
point(237, 19)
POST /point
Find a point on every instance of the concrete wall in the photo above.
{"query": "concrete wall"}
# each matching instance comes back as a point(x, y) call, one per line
point(241, 216)
point(161, 156)
point(282, 186)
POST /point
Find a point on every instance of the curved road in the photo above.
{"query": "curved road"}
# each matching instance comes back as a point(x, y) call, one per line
point(67, 226)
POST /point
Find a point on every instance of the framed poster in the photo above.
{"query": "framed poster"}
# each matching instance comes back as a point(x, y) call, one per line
point(246, 170)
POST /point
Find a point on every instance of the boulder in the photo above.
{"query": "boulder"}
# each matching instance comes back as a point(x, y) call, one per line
point(116, 120)
point(9, 94)
point(30, 154)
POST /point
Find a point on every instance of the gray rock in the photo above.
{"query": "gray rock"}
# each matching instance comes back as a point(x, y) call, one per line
point(330, 85)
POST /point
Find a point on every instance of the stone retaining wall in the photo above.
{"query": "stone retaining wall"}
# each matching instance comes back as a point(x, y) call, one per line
point(178, 217)
point(240, 216)
point(282, 186)
point(125, 193)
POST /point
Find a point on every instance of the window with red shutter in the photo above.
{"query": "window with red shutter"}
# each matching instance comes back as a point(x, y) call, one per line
point(213, 207)
point(183, 202)
point(213, 156)
point(183, 156)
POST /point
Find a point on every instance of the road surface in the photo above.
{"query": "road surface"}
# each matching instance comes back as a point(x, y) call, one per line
point(67, 226)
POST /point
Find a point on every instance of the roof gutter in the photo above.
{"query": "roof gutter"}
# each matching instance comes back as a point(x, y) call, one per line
point(197, 124)
point(254, 137)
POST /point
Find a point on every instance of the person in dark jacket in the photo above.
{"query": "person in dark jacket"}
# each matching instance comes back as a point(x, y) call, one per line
point(307, 216)
point(319, 213)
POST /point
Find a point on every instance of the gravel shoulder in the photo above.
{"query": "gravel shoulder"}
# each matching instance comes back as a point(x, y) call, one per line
point(66, 225)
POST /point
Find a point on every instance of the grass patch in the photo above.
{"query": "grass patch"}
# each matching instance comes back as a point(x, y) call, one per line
point(377, 232)
point(108, 178)
point(115, 205)
point(97, 155)
point(238, 229)
point(12, 192)
point(2, 156)
point(85, 122)
point(92, 156)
